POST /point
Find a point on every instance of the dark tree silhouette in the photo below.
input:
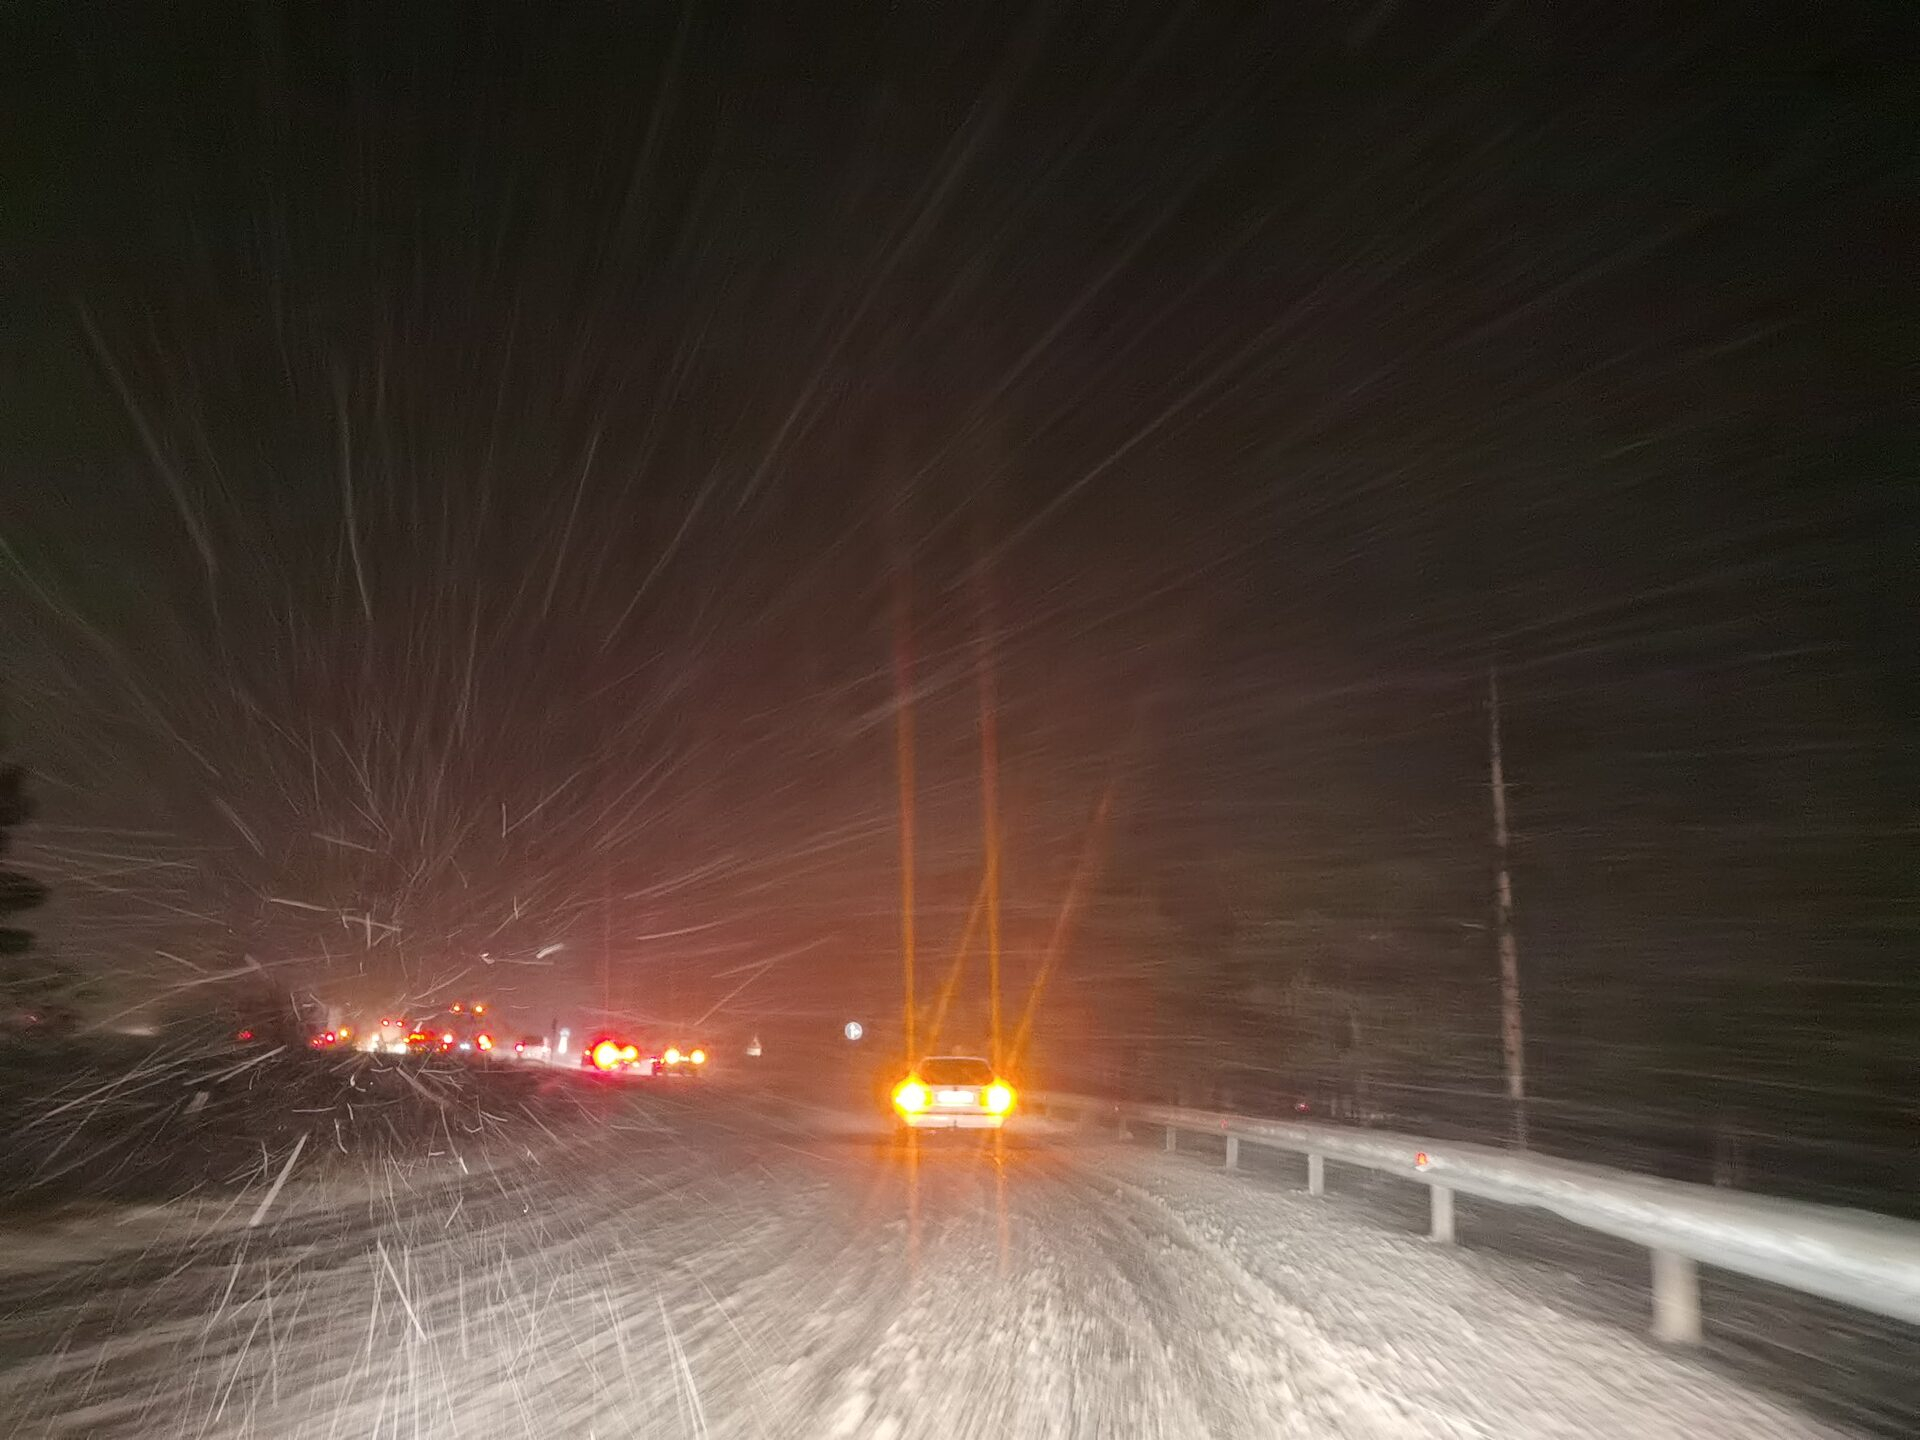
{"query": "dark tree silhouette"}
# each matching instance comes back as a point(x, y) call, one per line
point(26, 984)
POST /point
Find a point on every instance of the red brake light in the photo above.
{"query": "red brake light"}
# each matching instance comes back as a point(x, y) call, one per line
point(606, 1055)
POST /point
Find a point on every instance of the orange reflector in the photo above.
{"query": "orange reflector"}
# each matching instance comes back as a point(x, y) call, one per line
point(1420, 1161)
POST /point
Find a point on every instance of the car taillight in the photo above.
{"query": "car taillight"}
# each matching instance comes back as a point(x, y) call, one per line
point(909, 1097)
point(606, 1055)
point(485, 1042)
point(998, 1097)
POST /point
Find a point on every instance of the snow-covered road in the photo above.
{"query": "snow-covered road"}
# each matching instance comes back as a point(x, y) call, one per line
point(687, 1265)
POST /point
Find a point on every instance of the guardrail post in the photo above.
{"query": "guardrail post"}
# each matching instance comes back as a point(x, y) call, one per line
point(1441, 1229)
point(1316, 1175)
point(1125, 1133)
point(1233, 1152)
point(1172, 1139)
point(1676, 1298)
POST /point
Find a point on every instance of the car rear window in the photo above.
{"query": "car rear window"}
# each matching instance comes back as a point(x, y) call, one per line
point(951, 1070)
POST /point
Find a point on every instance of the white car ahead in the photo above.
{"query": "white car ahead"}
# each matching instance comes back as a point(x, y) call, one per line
point(953, 1092)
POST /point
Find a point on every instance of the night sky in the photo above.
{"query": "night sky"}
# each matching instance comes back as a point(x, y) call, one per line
point(460, 467)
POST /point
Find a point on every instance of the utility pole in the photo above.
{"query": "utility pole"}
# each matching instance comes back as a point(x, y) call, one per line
point(1512, 1031)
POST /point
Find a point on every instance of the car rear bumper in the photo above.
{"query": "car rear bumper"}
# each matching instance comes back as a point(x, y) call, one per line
point(953, 1120)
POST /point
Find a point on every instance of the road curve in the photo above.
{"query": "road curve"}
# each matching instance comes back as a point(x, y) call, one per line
point(716, 1263)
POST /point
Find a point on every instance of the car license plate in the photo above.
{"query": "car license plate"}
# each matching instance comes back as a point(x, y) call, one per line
point(955, 1097)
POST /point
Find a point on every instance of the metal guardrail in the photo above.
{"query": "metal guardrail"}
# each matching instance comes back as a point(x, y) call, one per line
point(1854, 1257)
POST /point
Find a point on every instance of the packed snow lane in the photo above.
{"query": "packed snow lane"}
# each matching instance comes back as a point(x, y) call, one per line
point(684, 1265)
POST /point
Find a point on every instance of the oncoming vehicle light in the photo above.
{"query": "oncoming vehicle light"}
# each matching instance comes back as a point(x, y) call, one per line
point(606, 1055)
point(698, 1057)
point(998, 1097)
point(629, 1054)
point(672, 1057)
point(910, 1096)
